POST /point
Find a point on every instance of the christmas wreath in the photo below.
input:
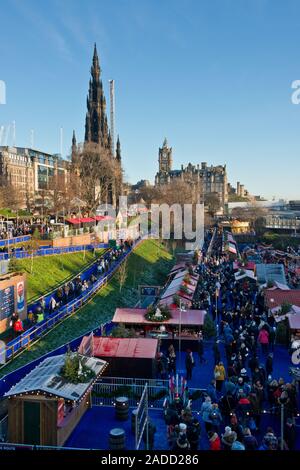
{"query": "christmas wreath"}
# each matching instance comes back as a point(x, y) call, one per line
point(158, 313)
point(75, 371)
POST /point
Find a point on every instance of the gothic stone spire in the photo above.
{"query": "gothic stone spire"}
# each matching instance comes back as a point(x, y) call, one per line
point(96, 128)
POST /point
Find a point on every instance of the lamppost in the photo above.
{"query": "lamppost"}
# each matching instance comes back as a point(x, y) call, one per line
point(283, 399)
point(181, 309)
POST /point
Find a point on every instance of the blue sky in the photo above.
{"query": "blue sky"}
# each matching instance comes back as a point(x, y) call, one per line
point(213, 76)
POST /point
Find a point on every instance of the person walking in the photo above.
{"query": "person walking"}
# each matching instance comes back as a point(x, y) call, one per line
point(201, 349)
point(290, 434)
point(263, 339)
point(250, 441)
point(214, 441)
point(171, 360)
point(189, 364)
point(206, 409)
point(220, 375)
point(216, 351)
point(18, 327)
point(269, 364)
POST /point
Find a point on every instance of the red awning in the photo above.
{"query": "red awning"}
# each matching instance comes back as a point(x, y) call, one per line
point(85, 220)
point(74, 221)
point(125, 347)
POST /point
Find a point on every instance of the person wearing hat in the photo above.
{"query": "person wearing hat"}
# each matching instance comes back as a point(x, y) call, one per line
point(228, 438)
point(181, 443)
point(270, 441)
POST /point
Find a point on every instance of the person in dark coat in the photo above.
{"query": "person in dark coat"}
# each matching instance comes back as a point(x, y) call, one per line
point(201, 349)
point(290, 434)
point(249, 441)
point(269, 364)
point(193, 430)
point(189, 364)
point(151, 434)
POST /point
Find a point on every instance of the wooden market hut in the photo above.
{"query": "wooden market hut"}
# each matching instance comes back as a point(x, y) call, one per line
point(127, 357)
point(190, 322)
point(44, 407)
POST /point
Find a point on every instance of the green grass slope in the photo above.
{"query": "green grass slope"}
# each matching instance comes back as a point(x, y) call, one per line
point(148, 264)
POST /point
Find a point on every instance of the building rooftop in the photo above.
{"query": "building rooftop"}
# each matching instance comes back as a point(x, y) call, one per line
point(138, 348)
point(270, 272)
point(46, 378)
point(276, 297)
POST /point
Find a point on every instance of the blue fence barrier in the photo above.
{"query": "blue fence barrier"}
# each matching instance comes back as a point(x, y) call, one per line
point(18, 253)
point(38, 330)
point(12, 241)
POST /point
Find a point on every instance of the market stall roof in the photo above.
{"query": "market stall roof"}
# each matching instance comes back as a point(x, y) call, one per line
point(294, 322)
point(277, 285)
point(174, 286)
point(74, 221)
point(139, 348)
point(178, 267)
point(137, 316)
point(270, 272)
point(102, 218)
point(243, 275)
point(46, 377)
point(248, 265)
point(85, 220)
point(280, 297)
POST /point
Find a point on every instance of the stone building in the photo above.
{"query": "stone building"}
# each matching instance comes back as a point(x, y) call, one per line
point(31, 171)
point(206, 179)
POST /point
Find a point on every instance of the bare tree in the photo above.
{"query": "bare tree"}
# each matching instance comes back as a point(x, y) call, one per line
point(149, 194)
point(33, 246)
point(122, 274)
point(212, 203)
point(57, 193)
point(253, 212)
point(11, 197)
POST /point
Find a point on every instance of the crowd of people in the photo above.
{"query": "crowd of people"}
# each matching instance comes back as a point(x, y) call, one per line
point(14, 229)
point(243, 391)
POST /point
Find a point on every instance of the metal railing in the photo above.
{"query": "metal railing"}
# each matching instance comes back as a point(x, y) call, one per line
point(107, 389)
point(14, 240)
point(3, 428)
point(20, 254)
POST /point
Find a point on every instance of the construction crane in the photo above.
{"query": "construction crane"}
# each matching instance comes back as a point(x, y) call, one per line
point(112, 114)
